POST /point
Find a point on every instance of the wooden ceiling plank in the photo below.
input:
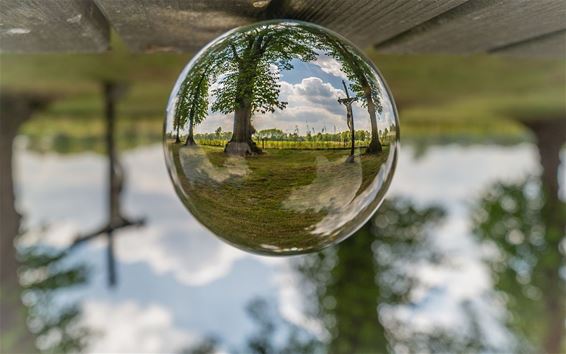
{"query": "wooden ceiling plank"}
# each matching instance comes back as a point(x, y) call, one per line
point(167, 25)
point(480, 26)
point(393, 26)
point(545, 47)
point(150, 25)
point(367, 22)
point(32, 26)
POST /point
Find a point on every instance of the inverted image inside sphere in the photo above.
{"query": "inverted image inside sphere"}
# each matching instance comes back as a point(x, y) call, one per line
point(281, 138)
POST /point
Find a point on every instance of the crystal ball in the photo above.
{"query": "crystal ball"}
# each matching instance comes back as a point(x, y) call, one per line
point(281, 137)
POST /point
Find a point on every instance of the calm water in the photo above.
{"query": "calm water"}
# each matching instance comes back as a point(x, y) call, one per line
point(427, 277)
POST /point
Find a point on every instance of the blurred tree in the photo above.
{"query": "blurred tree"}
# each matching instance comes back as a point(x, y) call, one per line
point(15, 109)
point(43, 274)
point(348, 286)
point(527, 223)
point(270, 325)
point(350, 283)
point(34, 271)
point(208, 345)
point(272, 335)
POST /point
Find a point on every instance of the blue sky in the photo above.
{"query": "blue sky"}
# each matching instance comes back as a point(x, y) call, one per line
point(304, 69)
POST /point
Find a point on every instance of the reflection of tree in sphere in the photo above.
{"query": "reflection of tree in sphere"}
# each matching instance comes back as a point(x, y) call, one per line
point(281, 137)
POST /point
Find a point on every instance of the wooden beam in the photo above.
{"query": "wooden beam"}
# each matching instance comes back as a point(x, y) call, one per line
point(363, 22)
point(549, 46)
point(393, 26)
point(168, 25)
point(481, 25)
point(52, 26)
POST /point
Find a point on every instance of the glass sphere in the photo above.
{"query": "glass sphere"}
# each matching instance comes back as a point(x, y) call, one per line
point(281, 137)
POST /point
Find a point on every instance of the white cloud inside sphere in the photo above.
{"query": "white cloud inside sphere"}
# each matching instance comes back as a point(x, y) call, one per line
point(312, 103)
point(330, 66)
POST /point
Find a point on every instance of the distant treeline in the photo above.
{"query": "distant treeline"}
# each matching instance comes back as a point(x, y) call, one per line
point(277, 135)
point(289, 144)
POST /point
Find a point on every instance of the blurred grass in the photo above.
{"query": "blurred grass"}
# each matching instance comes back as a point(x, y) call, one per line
point(475, 96)
point(68, 136)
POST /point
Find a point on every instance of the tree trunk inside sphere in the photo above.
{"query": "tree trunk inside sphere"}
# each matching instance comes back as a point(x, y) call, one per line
point(241, 142)
point(190, 138)
point(374, 145)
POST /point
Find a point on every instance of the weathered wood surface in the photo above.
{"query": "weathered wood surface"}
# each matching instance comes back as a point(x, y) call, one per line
point(547, 46)
point(511, 27)
point(52, 26)
point(167, 25)
point(170, 25)
point(480, 26)
point(364, 22)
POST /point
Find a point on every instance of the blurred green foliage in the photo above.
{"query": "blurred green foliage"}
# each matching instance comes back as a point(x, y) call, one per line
point(44, 274)
point(478, 96)
point(529, 260)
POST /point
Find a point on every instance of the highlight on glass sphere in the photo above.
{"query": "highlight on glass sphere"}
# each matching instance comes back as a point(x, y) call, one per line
point(281, 138)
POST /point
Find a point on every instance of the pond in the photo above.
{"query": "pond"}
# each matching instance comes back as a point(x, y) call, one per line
point(457, 259)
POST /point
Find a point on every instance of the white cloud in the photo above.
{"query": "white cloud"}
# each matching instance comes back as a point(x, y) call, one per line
point(312, 103)
point(293, 303)
point(129, 327)
point(330, 66)
point(183, 251)
point(172, 241)
point(447, 173)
